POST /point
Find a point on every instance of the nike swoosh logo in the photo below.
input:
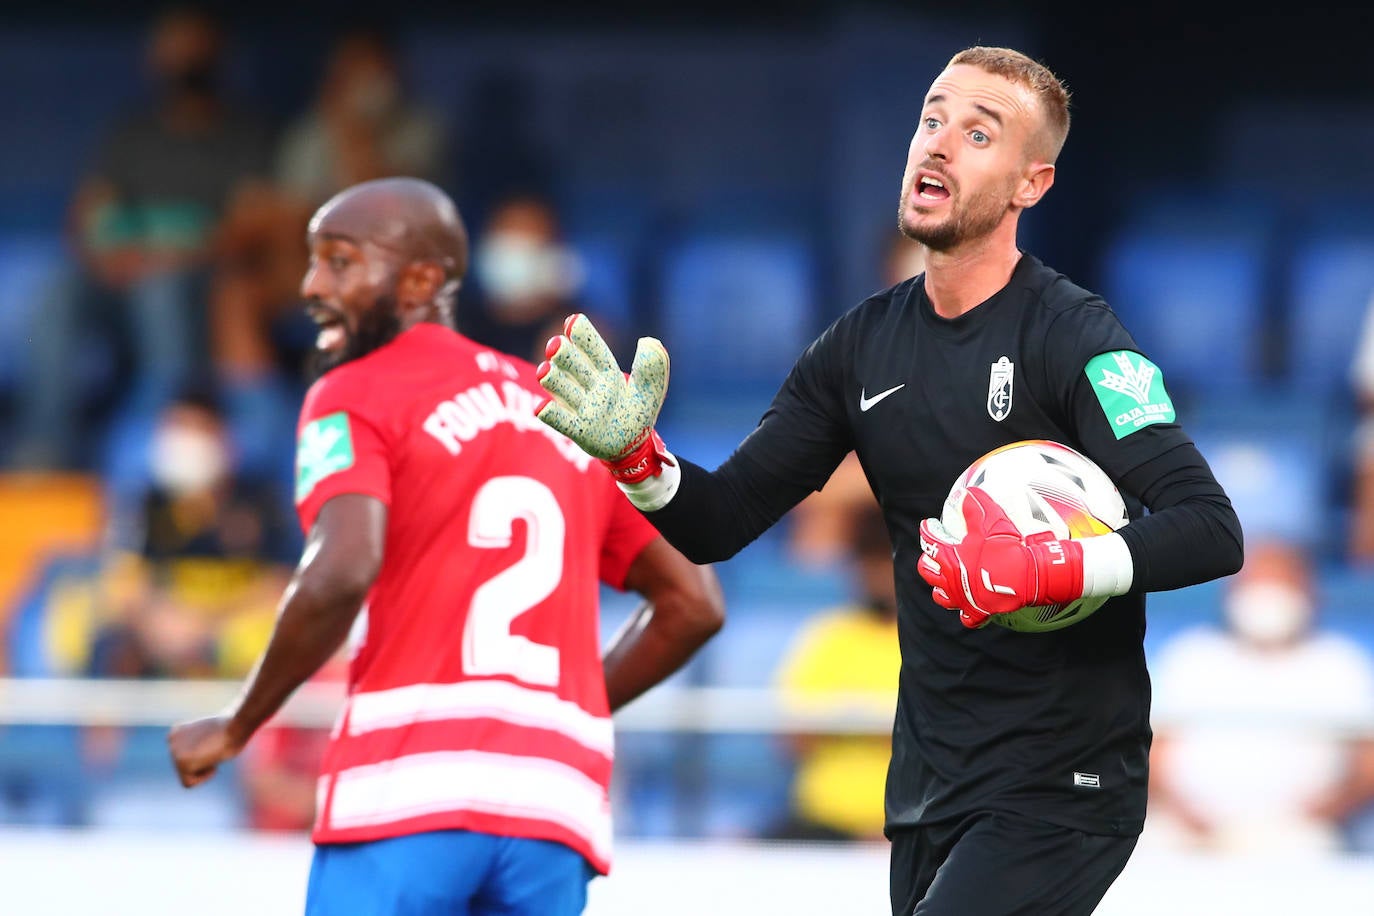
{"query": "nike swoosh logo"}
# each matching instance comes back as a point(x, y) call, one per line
point(865, 403)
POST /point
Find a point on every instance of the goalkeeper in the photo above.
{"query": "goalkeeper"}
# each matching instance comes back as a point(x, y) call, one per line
point(1019, 761)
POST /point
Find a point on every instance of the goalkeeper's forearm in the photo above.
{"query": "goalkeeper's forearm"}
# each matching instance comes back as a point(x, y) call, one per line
point(1192, 533)
point(711, 515)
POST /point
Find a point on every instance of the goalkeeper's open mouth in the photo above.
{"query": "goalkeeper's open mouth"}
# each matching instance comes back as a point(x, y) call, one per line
point(929, 189)
point(333, 328)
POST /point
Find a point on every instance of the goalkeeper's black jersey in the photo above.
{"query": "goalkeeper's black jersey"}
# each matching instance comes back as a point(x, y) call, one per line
point(1052, 725)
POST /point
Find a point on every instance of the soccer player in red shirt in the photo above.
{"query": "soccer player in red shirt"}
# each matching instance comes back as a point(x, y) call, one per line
point(468, 771)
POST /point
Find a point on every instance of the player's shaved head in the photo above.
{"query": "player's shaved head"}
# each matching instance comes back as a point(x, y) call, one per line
point(384, 256)
point(411, 218)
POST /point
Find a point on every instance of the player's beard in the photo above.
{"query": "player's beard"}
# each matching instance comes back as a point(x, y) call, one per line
point(974, 219)
point(377, 326)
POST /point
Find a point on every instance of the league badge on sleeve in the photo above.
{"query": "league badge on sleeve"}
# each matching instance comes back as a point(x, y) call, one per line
point(1130, 389)
point(1000, 378)
point(325, 448)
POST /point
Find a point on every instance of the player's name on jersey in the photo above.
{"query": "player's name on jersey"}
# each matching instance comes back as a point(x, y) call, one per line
point(465, 416)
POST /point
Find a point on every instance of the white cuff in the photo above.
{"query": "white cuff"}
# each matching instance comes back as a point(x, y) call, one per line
point(653, 493)
point(1107, 566)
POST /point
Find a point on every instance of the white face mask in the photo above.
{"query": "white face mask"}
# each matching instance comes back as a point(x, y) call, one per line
point(185, 461)
point(1268, 613)
point(514, 269)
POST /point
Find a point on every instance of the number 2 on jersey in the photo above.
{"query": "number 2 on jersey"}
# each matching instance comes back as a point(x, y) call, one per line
point(489, 647)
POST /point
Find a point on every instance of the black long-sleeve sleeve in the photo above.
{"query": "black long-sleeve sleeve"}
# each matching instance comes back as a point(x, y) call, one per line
point(797, 445)
point(715, 515)
point(1192, 534)
point(1123, 418)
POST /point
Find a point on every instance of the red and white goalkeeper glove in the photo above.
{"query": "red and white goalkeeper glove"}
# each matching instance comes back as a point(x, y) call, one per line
point(993, 569)
point(609, 414)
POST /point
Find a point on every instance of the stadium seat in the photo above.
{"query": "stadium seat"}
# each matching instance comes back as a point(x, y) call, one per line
point(1346, 599)
point(737, 312)
point(1194, 302)
point(750, 648)
point(1330, 291)
point(1276, 483)
point(28, 264)
point(608, 278)
point(747, 776)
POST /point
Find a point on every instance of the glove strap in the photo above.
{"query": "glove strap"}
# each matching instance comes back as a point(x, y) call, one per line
point(642, 461)
point(1058, 569)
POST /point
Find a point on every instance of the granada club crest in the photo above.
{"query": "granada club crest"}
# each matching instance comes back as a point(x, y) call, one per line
point(1000, 378)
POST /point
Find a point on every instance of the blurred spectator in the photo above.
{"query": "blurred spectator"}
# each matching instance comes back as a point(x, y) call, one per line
point(905, 259)
point(840, 658)
point(362, 126)
point(527, 280)
point(1362, 529)
point(142, 226)
point(822, 526)
point(1264, 741)
point(202, 559)
point(499, 156)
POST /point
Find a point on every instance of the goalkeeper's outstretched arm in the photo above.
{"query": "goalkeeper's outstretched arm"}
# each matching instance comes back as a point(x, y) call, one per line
point(707, 515)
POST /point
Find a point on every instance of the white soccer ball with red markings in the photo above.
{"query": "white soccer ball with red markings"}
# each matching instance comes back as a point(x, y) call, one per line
point(1042, 486)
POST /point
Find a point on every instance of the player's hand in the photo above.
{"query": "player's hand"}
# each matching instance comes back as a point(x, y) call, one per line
point(609, 414)
point(994, 570)
point(198, 747)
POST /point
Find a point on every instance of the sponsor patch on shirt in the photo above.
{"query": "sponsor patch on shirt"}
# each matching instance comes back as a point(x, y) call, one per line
point(325, 448)
point(1130, 389)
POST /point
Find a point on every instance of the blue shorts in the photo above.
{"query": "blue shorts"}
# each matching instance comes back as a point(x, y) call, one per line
point(448, 873)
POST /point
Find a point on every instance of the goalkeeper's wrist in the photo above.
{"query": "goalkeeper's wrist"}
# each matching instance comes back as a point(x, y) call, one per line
point(648, 473)
point(1108, 568)
point(645, 459)
point(1094, 567)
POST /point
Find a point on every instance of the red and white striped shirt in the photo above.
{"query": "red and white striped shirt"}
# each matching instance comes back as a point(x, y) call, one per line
point(476, 695)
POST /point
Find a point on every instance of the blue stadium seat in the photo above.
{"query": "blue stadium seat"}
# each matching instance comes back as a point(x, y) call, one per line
point(737, 311)
point(1330, 290)
point(750, 648)
point(28, 265)
point(608, 279)
point(749, 779)
point(763, 578)
point(1194, 302)
point(1347, 603)
point(1276, 483)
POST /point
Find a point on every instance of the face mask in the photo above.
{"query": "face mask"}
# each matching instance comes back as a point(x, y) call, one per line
point(514, 269)
point(185, 461)
point(1268, 612)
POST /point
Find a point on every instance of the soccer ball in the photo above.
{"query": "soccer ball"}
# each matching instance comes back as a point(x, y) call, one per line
point(1042, 486)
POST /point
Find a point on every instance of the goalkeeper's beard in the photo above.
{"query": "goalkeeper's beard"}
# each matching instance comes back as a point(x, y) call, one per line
point(378, 325)
point(976, 219)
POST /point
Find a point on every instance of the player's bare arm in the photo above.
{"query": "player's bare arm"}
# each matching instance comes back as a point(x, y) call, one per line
point(341, 559)
point(683, 610)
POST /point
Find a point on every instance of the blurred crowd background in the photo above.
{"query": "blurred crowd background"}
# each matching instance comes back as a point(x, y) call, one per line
point(727, 181)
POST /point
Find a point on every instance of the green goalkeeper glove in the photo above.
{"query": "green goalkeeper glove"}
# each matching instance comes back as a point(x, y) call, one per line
point(609, 414)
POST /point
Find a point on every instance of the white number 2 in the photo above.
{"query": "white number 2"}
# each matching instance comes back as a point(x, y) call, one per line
point(489, 647)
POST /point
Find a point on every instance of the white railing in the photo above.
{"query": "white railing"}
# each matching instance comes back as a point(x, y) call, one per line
point(61, 701)
point(672, 708)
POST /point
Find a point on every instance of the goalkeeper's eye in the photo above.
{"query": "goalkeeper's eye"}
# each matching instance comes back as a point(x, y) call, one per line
point(932, 123)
